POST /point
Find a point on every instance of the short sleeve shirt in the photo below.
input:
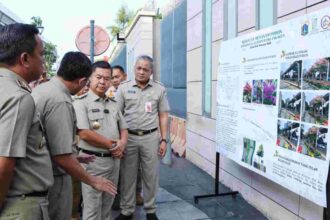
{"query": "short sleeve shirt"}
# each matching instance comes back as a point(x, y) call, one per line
point(54, 104)
point(92, 110)
point(21, 136)
point(141, 107)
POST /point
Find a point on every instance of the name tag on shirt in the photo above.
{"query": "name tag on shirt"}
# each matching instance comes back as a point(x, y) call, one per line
point(148, 107)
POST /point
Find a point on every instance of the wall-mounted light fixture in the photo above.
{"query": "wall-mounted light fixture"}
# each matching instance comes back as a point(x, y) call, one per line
point(41, 29)
point(120, 38)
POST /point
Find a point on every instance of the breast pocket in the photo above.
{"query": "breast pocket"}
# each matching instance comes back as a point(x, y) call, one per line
point(95, 120)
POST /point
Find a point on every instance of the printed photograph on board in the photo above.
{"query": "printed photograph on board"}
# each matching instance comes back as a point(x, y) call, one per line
point(257, 91)
point(289, 105)
point(290, 74)
point(316, 74)
point(287, 134)
point(269, 91)
point(247, 92)
point(315, 107)
point(313, 141)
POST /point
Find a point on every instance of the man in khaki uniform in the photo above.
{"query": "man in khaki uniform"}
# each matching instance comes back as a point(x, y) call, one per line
point(54, 105)
point(118, 76)
point(99, 123)
point(145, 107)
point(25, 166)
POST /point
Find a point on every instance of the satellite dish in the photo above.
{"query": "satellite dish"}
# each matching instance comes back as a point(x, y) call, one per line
point(101, 40)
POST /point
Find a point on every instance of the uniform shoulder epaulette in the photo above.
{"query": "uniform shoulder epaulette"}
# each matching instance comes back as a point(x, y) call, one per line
point(112, 99)
point(125, 82)
point(159, 83)
point(81, 96)
point(23, 85)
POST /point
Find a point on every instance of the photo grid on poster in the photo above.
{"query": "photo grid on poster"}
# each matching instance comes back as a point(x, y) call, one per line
point(303, 113)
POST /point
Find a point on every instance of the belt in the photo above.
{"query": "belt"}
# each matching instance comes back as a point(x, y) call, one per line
point(98, 154)
point(142, 132)
point(32, 194)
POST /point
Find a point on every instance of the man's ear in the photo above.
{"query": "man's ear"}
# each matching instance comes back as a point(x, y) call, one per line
point(82, 81)
point(24, 59)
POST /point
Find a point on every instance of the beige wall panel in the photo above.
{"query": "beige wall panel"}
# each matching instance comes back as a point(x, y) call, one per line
point(201, 125)
point(309, 210)
point(194, 97)
point(193, 8)
point(318, 6)
point(194, 32)
point(204, 147)
point(269, 208)
point(236, 170)
point(214, 100)
point(312, 2)
point(215, 58)
point(285, 7)
point(201, 162)
point(276, 192)
point(246, 14)
point(291, 16)
point(194, 65)
point(217, 20)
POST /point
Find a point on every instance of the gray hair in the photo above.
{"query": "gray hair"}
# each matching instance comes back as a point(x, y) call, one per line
point(146, 58)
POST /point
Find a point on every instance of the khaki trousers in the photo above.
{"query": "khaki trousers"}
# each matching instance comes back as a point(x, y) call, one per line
point(27, 208)
point(60, 198)
point(97, 205)
point(141, 150)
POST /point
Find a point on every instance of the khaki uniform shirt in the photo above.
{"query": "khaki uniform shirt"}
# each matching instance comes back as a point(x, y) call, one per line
point(141, 106)
point(21, 136)
point(91, 110)
point(54, 104)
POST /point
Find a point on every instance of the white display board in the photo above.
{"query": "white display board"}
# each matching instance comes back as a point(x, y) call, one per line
point(273, 103)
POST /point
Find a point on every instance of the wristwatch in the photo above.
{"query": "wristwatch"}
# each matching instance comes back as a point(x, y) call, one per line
point(163, 140)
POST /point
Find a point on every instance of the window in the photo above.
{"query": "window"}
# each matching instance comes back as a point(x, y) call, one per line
point(266, 13)
point(207, 57)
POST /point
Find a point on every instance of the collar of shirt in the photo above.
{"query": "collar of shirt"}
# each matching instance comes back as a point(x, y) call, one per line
point(14, 76)
point(150, 83)
point(95, 97)
point(59, 84)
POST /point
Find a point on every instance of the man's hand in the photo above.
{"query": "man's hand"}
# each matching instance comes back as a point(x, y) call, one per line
point(162, 149)
point(86, 158)
point(104, 185)
point(118, 151)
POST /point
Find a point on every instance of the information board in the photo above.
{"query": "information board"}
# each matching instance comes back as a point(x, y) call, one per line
point(273, 103)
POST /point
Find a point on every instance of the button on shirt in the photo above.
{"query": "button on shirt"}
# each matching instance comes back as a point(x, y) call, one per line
point(54, 104)
point(21, 136)
point(134, 101)
point(92, 109)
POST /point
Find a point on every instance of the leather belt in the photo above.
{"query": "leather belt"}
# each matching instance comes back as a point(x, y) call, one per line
point(98, 154)
point(32, 194)
point(142, 132)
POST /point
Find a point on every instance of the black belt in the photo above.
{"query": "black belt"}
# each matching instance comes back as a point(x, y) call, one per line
point(98, 154)
point(142, 132)
point(32, 194)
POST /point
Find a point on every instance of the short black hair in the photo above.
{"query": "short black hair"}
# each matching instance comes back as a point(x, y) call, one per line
point(101, 64)
point(16, 39)
point(119, 67)
point(74, 65)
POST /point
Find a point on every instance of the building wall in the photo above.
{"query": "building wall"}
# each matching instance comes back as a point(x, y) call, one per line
point(273, 200)
point(120, 59)
point(173, 64)
point(139, 41)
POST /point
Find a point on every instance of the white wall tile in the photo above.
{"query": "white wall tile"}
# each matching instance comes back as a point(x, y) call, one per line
point(285, 7)
point(194, 65)
point(194, 97)
point(194, 32)
point(194, 7)
point(217, 20)
point(201, 125)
